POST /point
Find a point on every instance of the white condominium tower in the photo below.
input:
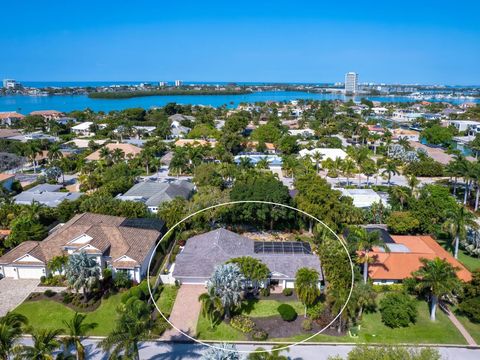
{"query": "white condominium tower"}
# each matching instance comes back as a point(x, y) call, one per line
point(351, 83)
point(178, 83)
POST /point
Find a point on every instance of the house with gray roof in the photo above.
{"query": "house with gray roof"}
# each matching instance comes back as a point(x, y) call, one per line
point(153, 193)
point(202, 253)
point(46, 194)
point(117, 243)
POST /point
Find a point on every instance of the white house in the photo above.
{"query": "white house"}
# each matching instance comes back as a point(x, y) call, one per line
point(326, 152)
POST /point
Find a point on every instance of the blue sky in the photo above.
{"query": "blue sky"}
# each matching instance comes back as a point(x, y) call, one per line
point(406, 41)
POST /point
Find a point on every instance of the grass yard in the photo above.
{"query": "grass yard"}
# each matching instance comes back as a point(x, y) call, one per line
point(442, 331)
point(167, 299)
point(48, 314)
point(263, 308)
point(222, 331)
point(470, 262)
point(472, 328)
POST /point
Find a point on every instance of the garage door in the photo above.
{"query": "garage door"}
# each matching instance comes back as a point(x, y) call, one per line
point(30, 272)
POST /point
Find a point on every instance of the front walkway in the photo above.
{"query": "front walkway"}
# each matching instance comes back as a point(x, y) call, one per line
point(14, 292)
point(185, 312)
point(460, 327)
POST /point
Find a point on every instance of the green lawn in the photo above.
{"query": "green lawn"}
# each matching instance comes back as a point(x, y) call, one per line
point(167, 299)
point(472, 328)
point(49, 314)
point(470, 262)
point(221, 331)
point(264, 308)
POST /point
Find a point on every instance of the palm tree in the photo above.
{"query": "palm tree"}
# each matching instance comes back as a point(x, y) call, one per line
point(104, 153)
point(359, 155)
point(147, 158)
point(226, 283)
point(44, 344)
point(369, 168)
point(212, 307)
point(401, 194)
point(390, 169)
point(76, 330)
point(457, 168)
point(10, 332)
point(306, 286)
point(82, 271)
point(348, 169)
point(274, 354)
point(54, 153)
point(412, 182)
point(118, 155)
point(262, 163)
point(317, 157)
point(458, 221)
point(245, 163)
point(365, 241)
point(133, 325)
point(405, 143)
point(221, 352)
point(439, 278)
point(31, 152)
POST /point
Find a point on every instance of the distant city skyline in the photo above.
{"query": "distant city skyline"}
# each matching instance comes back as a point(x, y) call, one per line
point(269, 41)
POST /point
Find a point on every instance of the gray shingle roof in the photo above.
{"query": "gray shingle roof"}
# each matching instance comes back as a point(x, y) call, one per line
point(46, 194)
point(203, 252)
point(154, 193)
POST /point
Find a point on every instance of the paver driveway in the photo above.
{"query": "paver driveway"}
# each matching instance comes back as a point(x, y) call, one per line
point(14, 292)
point(185, 312)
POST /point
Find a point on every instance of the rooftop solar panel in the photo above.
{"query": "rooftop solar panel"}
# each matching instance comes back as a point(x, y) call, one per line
point(281, 247)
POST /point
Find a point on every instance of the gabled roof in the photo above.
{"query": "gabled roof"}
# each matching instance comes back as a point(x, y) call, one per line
point(154, 193)
point(126, 148)
point(203, 252)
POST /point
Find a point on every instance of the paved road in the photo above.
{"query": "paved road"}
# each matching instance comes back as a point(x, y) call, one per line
point(177, 351)
point(14, 292)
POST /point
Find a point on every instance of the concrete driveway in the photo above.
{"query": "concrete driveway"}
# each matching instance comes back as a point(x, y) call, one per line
point(14, 292)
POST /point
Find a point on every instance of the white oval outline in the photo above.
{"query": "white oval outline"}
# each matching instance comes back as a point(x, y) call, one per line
point(232, 342)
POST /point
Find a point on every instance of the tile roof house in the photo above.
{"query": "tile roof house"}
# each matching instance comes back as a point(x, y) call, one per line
point(404, 258)
point(48, 114)
point(10, 117)
point(127, 149)
point(115, 242)
point(153, 194)
point(46, 194)
point(196, 262)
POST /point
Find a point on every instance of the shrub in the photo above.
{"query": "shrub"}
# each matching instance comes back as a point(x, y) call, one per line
point(259, 335)
point(402, 222)
point(287, 312)
point(49, 293)
point(67, 297)
point(287, 292)
point(398, 310)
point(42, 279)
point(307, 325)
point(242, 323)
point(471, 308)
point(265, 291)
point(315, 312)
point(122, 280)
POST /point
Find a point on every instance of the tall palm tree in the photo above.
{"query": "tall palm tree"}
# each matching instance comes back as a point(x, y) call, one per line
point(390, 169)
point(105, 153)
point(348, 169)
point(401, 194)
point(147, 158)
point(317, 157)
point(359, 155)
point(475, 174)
point(212, 307)
point(245, 163)
point(76, 330)
point(82, 271)
point(412, 182)
point(44, 344)
point(306, 286)
point(369, 168)
point(31, 152)
point(439, 278)
point(226, 283)
point(54, 153)
point(458, 221)
point(133, 325)
point(365, 241)
point(11, 328)
point(262, 163)
point(118, 155)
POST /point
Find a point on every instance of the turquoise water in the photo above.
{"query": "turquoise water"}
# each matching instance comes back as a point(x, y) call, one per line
point(26, 104)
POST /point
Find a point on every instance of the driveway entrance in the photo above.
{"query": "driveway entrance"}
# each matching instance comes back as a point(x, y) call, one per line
point(14, 292)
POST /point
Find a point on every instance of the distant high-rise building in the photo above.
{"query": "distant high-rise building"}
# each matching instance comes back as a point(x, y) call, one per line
point(351, 83)
point(162, 83)
point(178, 82)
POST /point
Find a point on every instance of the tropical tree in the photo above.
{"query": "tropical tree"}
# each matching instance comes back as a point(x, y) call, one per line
point(222, 351)
point(226, 283)
point(212, 307)
point(306, 286)
point(348, 169)
point(401, 194)
point(459, 219)
point(117, 155)
point(82, 271)
point(44, 344)
point(254, 270)
point(274, 354)
point(317, 158)
point(412, 182)
point(76, 330)
point(133, 325)
point(390, 168)
point(31, 153)
point(262, 163)
point(369, 168)
point(11, 329)
point(54, 153)
point(364, 241)
point(439, 278)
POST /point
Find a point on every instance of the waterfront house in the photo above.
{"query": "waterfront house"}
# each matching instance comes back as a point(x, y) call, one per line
point(8, 118)
point(48, 114)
